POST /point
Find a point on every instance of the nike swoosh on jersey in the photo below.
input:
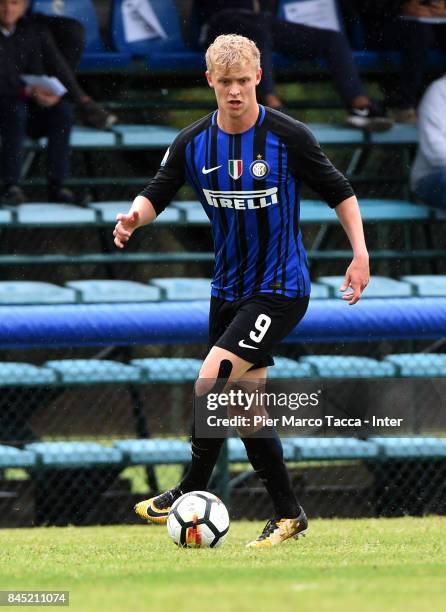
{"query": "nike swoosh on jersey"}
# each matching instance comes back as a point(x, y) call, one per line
point(243, 344)
point(207, 170)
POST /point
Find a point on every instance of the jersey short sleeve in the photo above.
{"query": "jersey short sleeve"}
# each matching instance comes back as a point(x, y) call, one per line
point(169, 178)
point(309, 163)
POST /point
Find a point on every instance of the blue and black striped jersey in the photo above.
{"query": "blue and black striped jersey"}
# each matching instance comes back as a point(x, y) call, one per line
point(249, 185)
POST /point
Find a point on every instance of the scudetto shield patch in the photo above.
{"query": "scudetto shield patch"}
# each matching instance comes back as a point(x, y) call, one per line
point(235, 168)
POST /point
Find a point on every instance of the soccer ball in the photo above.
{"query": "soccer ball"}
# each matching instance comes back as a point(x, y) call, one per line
point(198, 520)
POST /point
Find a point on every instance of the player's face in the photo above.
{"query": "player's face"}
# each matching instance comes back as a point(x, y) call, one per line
point(235, 88)
point(11, 11)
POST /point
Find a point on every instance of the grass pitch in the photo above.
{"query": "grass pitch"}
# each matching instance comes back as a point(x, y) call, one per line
point(342, 565)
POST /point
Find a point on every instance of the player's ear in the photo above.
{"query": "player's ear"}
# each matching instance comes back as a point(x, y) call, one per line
point(259, 76)
point(209, 78)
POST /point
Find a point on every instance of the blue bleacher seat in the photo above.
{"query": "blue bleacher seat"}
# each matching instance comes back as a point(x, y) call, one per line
point(6, 217)
point(160, 43)
point(169, 216)
point(379, 287)
point(346, 366)
point(53, 215)
point(400, 133)
point(237, 452)
point(147, 451)
point(82, 138)
point(319, 449)
point(328, 134)
point(288, 368)
point(392, 210)
point(314, 211)
point(109, 210)
point(419, 364)
point(11, 457)
point(319, 291)
point(368, 60)
point(174, 289)
point(93, 371)
point(411, 447)
point(381, 59)
point(74, 454)
point(193, 212)
point(427, 285)
point(32, 292)
point(144, 136)
point(95, 55)
point(25, 374)
point(111, 291)
point(86, 137)
point(168, 369)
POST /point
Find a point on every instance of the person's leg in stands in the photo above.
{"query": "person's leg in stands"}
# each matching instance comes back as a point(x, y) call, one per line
point(308, 43)
point(431, 189)
point(440, 37)
point(13, 115)
point(65, 40)
point(59, 129)
point(68, 34)
point(56, 123)
point(413, 40)
point(416, 40)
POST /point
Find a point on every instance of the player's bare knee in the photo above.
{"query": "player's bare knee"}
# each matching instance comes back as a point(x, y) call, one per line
point(206, 385)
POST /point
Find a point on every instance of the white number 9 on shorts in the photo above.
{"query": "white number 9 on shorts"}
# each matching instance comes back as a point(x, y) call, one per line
point(262, 324)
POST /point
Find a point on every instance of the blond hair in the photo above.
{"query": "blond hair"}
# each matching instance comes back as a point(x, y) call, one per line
point(229, 50)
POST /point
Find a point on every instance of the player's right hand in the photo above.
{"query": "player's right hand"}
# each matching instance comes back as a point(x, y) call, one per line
point(124, 228)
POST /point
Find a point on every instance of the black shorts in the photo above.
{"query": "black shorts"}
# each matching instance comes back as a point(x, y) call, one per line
point(253, 326)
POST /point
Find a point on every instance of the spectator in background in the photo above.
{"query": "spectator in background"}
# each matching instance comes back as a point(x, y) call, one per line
point(409, 26)
point(257, 19)
point(27, 47)
point(428, 178)
point(69, 37)
point(68, 34)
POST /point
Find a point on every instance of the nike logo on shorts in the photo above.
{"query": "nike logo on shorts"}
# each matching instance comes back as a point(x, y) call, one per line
point(207, 170)
point(243, 344)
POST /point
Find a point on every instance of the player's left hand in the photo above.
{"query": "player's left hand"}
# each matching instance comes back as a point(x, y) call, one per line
point(357, 278)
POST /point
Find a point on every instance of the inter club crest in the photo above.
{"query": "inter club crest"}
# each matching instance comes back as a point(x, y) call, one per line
point(259, 169)
point(235, 168)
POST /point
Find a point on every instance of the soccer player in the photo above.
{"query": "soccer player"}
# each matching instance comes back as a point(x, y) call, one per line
point(246, 164)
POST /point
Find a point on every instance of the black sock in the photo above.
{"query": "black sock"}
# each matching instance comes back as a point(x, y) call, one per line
point(205, 453)
point(266, 457)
